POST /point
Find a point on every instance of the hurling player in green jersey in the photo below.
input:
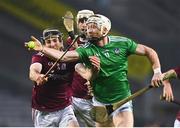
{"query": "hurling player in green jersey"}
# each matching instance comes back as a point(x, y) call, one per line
point(110, 84)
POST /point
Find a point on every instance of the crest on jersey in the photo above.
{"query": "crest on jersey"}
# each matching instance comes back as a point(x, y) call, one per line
point(63, 66)
point(50, 63)
point(117, 50)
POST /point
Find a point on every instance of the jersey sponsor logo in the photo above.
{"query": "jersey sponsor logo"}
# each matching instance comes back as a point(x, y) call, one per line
point(59, 66)
point(106, 53)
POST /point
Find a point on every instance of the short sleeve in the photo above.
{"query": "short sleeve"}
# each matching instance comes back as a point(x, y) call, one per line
point(177, 70)
point(83, 56)
point(69, 41)
point(37, 59)
point(131, 46)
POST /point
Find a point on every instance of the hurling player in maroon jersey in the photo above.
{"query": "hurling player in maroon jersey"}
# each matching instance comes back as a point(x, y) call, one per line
point(82, 100)
point(51, 96)
point(170, 74)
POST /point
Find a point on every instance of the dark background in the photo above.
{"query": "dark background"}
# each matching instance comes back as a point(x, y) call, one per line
point(155, 23)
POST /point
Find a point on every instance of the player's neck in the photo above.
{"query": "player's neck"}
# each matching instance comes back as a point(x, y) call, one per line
point(103, 42)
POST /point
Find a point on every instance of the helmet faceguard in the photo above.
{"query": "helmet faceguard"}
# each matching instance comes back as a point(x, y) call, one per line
point(84, 14)
point(47, 33)
point(50, 33)
point(82, 17)
point(103, 24)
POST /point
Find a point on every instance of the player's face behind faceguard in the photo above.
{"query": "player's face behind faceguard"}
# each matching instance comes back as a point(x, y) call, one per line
point(52, 38)
point(98, 27)
point(82, 27)
point(81, 19)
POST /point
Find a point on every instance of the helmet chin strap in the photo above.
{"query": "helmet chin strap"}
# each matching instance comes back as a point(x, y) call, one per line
point(97, 39)
point(94, 40)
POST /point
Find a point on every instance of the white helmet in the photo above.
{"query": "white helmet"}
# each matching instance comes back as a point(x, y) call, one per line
point(84, 14)
point(101, 21)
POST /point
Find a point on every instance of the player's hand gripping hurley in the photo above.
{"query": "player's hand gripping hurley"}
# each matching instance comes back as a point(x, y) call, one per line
point(100, 113)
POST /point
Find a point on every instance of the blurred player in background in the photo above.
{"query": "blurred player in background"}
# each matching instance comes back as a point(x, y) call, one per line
point(111, 84)
point(51, 96)
point(82, 100)
point(170, 74)
point(81, 19)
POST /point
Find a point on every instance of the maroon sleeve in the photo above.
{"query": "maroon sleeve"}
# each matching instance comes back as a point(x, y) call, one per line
point(69, 41)
point(37, 58)
point(177, 70)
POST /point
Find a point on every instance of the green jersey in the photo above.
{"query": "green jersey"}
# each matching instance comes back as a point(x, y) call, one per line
point(111, 84)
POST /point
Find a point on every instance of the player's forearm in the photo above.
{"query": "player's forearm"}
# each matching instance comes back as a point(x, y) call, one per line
point(68, 56)
point(154, 59)
point(87, 75)
point(55, 54)
point(83, 71)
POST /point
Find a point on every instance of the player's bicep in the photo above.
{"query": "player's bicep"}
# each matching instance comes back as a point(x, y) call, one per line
point(36, 67)
point(34, 70)
point(141, 49)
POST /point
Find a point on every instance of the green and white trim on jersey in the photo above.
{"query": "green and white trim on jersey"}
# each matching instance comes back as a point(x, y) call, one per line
point(111, 84)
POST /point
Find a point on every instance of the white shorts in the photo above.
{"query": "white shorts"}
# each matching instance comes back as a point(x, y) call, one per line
point(60, 118)
point(82, 109)
point(125, 107)
point(176, 123)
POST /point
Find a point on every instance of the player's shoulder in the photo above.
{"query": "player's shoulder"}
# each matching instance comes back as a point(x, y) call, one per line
point(38, 57)
point(39, 54)
point(69, 38)
point(118, 39)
